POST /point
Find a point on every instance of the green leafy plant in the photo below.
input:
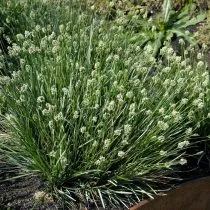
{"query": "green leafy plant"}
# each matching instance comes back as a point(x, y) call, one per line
point(163, 26)
point(172, 23)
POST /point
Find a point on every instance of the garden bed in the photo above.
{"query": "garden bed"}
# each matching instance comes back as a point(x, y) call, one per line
point(101, 109)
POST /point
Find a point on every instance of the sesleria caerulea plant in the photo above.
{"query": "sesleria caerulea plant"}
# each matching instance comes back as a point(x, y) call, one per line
point(21, 16)
point(98, 118)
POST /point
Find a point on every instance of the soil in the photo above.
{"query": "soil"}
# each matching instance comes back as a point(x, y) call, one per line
point(198, 165)
point(18, 194)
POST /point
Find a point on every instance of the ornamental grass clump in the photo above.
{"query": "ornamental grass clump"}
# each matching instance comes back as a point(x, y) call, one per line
point(20, 16)
point(98, 118)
